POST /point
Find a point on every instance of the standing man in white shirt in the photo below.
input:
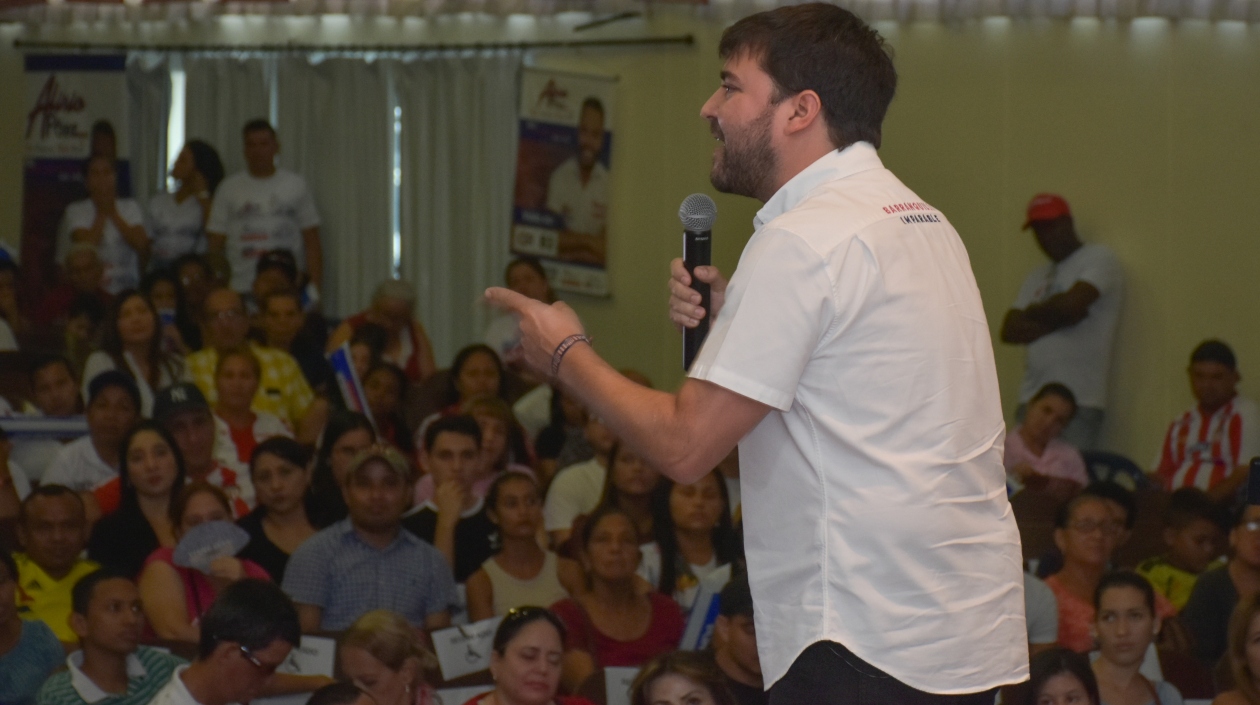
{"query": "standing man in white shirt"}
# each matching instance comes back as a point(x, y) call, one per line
point(1066, 313)
point(851, 361)
point(260, 209)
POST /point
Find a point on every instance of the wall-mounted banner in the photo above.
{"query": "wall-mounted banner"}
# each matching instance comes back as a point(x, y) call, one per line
point(76, 105)
point(560, 212)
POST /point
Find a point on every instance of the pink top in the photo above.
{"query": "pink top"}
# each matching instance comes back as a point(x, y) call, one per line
point(199, 592)
point(1060, 458)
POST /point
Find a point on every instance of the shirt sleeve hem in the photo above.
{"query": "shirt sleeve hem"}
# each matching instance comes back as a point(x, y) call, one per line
point(743, 386)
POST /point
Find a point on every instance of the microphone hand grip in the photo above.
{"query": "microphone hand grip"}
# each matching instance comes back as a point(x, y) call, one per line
point(696, 253)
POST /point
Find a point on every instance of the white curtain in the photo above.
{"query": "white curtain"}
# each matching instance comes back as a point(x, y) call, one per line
point(223, 93)
point(458, 166)
point(148, 112)
point(336, 121)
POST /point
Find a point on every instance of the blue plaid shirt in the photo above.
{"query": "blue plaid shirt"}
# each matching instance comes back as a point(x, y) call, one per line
point(339, 572)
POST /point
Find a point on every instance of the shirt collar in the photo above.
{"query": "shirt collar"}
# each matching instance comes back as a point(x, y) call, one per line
point(834, 165)
point(347, 532)
point(87, 688)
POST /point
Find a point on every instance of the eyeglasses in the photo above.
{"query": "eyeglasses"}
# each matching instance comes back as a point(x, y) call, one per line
point(263, 668)
point(1108, 528)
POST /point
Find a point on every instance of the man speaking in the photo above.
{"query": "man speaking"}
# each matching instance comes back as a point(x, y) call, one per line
point(850, 359)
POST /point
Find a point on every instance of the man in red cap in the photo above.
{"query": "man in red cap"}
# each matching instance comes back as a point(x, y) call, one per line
point(1066, 313)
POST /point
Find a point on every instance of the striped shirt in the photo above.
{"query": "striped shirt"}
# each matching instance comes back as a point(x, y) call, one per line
point(1202, 450)
point(148, 671)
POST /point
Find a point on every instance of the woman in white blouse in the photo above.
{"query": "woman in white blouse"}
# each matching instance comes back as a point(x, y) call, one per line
point(132, 342)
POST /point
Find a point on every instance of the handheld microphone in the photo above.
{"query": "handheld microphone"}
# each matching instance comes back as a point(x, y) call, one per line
point(697, 214)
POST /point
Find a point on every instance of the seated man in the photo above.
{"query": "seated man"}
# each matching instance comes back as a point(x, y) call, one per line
point(735, 643)
point(577, 489)
point(1218, 590)
point(245, 636)
point(53, 530)
point(1192, 535)
point(55, 392)
point(184, 412)
point(92, 461)
point(455, 520)
point(282, 391)
point(110, 662)
point(1210, 445)
point(367, 561)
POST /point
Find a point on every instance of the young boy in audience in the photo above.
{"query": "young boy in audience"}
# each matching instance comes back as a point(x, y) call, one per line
point(1192, 534)
point(455, 520)
point(735, 643)
point(92, 461)
point(110, 662)
point(53, 530)
point(55, 392)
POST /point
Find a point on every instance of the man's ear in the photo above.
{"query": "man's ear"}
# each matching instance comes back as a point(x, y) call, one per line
point(78, 625)
point(806, 111)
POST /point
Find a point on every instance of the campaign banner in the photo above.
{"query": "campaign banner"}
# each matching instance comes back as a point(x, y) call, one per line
point(76, 106)
point(560, 205)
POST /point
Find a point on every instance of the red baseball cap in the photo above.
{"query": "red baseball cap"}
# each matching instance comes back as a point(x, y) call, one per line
point(1046, 206)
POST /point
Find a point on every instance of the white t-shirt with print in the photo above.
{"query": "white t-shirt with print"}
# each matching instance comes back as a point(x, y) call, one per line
point(1078, 356)
point(258, 215)
point(121, 262)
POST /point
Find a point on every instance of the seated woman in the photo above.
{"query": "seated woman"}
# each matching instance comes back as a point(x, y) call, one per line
point(628, 485)
point(175, 597)
point(694, 536)
point(236, 379)
point(383, 389)
point(281, 477)
point(1086, 533)
point(346, 434)
point(1057, 677)
point(521, 573)
point(386, 657)
point(393, 308)
point(681, 678)
point(562, 442)
point(525, 661)
point(131, 341)
point(526, 276)
point(613, 622)
point(1126, 626)
point(1035, 455)
point(1244, 654)
point(151, 477)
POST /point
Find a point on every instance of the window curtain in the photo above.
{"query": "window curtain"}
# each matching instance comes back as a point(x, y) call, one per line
point(335, 120)
point(458, 145)
point(223, 93)
point(148, 114)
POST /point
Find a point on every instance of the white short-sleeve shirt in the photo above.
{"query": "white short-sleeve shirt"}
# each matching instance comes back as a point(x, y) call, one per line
point(258, 215)
point(175, 229)
point(79, 467)
point(575, 491)
point(122, 264)
point(874, 499)
point(584, 206)
point(1078, 356)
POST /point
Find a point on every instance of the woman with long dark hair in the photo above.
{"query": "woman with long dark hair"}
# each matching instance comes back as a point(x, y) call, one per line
point(177, 221)
point(152, 476)
point(131, 341)
point(694, 536)
point(281, 475)
point(346, 433)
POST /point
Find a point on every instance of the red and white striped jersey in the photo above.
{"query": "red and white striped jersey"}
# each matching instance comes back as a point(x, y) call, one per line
point(1201, 450)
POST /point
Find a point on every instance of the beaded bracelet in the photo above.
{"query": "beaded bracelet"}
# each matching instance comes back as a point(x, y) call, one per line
point(563, 348)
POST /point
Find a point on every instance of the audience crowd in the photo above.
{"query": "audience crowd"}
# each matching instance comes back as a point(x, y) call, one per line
point(184, 469)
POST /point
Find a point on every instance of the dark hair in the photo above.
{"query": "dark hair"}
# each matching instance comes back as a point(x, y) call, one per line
point(10, 565)
point(1214, 351)
point(282, 447)
point(251, 612)
point(1125, 578)
point(695, 666)
point(88, 305)
point(6, 263)
point(103, 127)
point(113, 378)
point(1118, 494)
point(725, 542)
point(340, 693)
point(112, 344)
point(50, 492)
point(326, 504)
point(184, 322)
point(258, 125)
point(193, 258)
point(375, 337)
point(735, 599)
point(461, 358)
point(455, 423)
point(518, 618)
point(496, 487)
point(206, 160)
point(180, 504)
point(532, 263)
point(81, 593)
point(593, 103)
point(130, 501)
point(1190, 504)
point(612, 496)
point(1068, 508)
point(1057, 390)
point(1058, 661)
point(44, 361)
point(827, 49)
point(395, 371)
point(601, 512)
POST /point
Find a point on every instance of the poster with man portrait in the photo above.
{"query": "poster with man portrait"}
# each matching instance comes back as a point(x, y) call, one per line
point(560, 207)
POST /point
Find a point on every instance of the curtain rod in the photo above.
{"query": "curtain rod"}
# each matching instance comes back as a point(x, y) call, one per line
point(683, 39)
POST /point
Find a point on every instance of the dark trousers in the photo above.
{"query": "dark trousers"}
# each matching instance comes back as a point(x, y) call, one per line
point(826, 673)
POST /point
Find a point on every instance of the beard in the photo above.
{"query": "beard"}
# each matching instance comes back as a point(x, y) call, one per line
point(748, 162)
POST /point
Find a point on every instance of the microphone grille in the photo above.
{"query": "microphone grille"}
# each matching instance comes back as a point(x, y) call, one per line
point(697, 212)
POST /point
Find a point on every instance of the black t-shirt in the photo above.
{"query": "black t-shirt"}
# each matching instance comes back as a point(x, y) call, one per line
point(260, 549)
point(1206, 614)
point(123, 540)
point(745, 694)
point(476, 537)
